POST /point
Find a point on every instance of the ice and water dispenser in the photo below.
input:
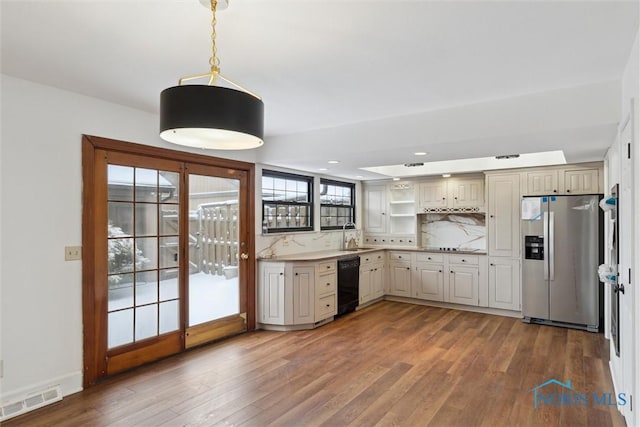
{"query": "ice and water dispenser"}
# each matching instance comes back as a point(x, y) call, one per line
point(534, 247)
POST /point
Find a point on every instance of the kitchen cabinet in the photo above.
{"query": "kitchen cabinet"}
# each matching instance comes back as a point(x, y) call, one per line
point(303, 295)
point(371, 277)
point(399, 283)
point(375, 208)
point(503, 209)
point(296, 294)
point(464, 280)
point(428, 281)
point(584, 181)
point(541, 183)
point(326, 290)
point(432, 194)
point(454, 194)
point(402, 210)
point(504, 283)
point(271, 305)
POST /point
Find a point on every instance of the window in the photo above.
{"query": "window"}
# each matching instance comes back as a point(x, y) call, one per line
point(287, 202)
point(337, 204)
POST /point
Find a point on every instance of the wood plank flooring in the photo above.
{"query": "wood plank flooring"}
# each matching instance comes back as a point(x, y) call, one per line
point(389, 364)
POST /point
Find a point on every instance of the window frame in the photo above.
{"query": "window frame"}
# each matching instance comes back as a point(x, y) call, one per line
point(309, 204)
point(352, 205)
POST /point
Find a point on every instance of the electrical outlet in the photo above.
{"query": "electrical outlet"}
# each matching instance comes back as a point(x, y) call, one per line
point(72, 253)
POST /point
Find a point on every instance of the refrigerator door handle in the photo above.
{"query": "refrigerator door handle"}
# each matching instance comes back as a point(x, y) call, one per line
point(552, 245)
point(545, 243)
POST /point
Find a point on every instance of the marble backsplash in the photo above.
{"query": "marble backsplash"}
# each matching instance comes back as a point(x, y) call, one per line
point(461, 231)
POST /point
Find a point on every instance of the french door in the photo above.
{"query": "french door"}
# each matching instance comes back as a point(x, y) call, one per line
point(167, 242)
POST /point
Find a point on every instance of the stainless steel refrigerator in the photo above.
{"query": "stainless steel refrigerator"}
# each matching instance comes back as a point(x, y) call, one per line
point(562, 250)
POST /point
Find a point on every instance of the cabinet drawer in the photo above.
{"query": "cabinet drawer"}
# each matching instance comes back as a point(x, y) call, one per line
point(325, 307)
point(326, 283)
point(400, 256)
point(429, 257)
point(371, 257)
point(464, 259)
point(326, 267)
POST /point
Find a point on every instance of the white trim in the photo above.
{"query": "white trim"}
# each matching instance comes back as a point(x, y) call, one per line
point(69, 384)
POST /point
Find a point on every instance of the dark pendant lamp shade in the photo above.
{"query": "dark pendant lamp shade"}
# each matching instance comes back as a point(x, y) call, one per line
point(211, 117)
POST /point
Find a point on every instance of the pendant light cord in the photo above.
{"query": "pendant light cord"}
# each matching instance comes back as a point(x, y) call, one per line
point(214, 61)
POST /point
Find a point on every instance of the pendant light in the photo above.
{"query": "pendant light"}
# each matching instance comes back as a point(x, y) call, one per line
point(210, 116)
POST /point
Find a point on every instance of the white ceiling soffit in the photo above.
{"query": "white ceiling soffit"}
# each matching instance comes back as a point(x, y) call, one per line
point(471, 165)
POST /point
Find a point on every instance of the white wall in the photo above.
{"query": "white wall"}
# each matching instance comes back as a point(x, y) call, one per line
point(41, 187)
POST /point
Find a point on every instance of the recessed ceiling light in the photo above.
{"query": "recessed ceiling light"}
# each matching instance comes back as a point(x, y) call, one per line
point(359, 176)
point(446, 175)
point(420, 153)
point(333, 162)
point(323, 169)
point(396, 179)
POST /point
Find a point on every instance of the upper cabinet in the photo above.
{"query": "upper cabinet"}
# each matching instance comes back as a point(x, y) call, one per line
point(541, 183)
point(577, 180)
point(453, 194)
point(375, 208)
point(581, 181)
point(402, 208)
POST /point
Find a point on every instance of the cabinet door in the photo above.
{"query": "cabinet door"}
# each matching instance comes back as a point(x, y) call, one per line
point(433, 194)
point(375, 208)
point(272, 305)
point(303, 295)
point(503, 225)
point(466, 194)
point(581, 181)
point(463, 285)
point(429, 282)
point(504, 283)
point(542, 183)
point(400, 279)
point(364, 284)
point(377, 280)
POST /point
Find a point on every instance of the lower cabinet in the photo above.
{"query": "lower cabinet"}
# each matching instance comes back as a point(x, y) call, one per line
point(294, 294)
point(504, 283)
point(399, 278)
point(371, 283)
point(463, 285)
point(428, 282)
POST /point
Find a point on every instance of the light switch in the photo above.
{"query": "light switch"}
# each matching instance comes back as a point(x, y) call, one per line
point(72, 253)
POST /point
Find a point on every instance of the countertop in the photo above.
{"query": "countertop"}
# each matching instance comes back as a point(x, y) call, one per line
point(336, 253)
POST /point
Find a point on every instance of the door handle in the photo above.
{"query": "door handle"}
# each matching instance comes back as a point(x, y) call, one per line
point(552, 245)
point(244, 255)
point(545, 243)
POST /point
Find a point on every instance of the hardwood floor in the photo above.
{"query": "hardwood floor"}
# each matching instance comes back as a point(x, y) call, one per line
point(389, 364)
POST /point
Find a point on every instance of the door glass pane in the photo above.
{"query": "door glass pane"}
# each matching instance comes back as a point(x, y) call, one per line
point(142, 267)
point(213, 248)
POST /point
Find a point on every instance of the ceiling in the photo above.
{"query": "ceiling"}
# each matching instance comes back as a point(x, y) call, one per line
point(363, 82)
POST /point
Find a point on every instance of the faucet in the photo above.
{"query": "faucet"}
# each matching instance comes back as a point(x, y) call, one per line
point(344, 228)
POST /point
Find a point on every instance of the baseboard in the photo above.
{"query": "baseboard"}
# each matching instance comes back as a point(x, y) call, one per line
point(484, 310)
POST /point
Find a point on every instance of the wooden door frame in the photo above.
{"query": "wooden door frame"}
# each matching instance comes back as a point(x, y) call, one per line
point(93, 368)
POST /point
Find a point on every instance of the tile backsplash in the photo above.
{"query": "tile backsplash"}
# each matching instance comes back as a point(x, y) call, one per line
point(461, 231)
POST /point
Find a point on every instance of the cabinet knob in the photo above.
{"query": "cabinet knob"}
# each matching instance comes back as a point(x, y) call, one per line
point(464, 260)
point(296, 274)
point(555, 191)
point(451, 271)
point(490, 216)
point(328, 266)
point(328, 284)
point(455, 198)
point(328, 305)
point(492, 264)
point(408, 268)
point(444, 198)
point(382, 213)
point(282, 274)
point(568, 191)
point(439, 271)
point(428, 257)
point(399, 256)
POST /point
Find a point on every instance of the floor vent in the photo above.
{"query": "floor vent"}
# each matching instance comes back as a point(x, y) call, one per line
point(30, 402)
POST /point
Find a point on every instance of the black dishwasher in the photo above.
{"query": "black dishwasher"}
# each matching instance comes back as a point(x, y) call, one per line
point(348, 278)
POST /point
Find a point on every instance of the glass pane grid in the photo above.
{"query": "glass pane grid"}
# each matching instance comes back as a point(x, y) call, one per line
point(143, 205)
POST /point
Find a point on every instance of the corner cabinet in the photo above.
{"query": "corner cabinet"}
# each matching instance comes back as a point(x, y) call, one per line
point(399, 281)
point(296, 295)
